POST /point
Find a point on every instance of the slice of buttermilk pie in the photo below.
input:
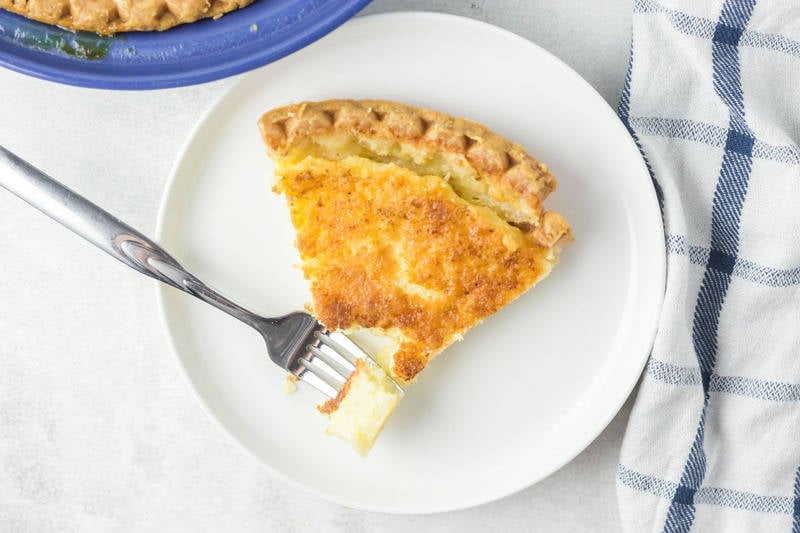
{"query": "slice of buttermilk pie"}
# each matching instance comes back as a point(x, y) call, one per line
point(412, 226)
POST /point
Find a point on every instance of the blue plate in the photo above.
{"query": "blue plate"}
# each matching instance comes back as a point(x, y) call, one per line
point(193, 53)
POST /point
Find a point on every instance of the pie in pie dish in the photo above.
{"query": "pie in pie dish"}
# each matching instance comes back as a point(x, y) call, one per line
point(412, 227)
point(113, 16)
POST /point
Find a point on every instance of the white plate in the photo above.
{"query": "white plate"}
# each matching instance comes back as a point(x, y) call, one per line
point(527, 390)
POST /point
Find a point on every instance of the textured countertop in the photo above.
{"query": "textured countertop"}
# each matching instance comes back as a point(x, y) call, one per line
point(98, 430)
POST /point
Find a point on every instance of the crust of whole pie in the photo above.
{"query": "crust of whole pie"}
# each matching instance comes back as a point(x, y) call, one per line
point(113, 16)
point(503, 164)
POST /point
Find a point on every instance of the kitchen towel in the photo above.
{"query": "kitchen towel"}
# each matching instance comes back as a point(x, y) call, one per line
point(712, 97)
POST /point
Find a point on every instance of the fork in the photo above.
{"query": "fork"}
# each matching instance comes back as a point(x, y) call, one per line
point(296, 342)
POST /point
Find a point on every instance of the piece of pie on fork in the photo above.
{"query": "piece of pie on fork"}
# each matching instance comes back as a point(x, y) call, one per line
point(412, 227)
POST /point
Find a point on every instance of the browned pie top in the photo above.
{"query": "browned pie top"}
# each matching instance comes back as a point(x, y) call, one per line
point(388, 249)
point(112, 16)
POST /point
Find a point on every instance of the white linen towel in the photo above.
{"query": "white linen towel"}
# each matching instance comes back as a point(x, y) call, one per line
point(713, 100)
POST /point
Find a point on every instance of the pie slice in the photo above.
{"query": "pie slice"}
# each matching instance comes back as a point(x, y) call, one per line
point(112, 16)
point(412, 227)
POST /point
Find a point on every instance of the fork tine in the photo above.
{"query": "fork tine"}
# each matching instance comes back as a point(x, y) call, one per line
point(336, 362)
point(313, 368)
point(316, 381)
point(346, 348)
point(321, 368)
point(342, 347)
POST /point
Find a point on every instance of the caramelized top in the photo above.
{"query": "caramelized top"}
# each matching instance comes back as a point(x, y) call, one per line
point(387, 248)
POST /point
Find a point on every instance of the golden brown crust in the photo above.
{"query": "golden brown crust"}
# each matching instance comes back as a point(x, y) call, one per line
point(113, 16)
point(552, 231)
point(502, 163)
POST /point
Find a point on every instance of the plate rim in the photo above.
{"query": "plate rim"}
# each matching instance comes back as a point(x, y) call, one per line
point(57, 69)
point(622, 393)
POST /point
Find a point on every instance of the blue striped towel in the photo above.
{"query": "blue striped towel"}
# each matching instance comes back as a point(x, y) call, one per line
point(712, 97)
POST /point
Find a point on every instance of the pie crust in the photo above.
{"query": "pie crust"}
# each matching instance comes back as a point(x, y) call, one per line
point(510, 172)
point(113, 16)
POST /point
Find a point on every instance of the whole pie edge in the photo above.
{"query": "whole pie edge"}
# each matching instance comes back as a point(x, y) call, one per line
point(108, 23)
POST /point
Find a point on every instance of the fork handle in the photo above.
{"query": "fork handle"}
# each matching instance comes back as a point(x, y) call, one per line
point(106, 231)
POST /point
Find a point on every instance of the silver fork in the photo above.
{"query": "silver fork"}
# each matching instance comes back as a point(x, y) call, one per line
point(296, 342)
